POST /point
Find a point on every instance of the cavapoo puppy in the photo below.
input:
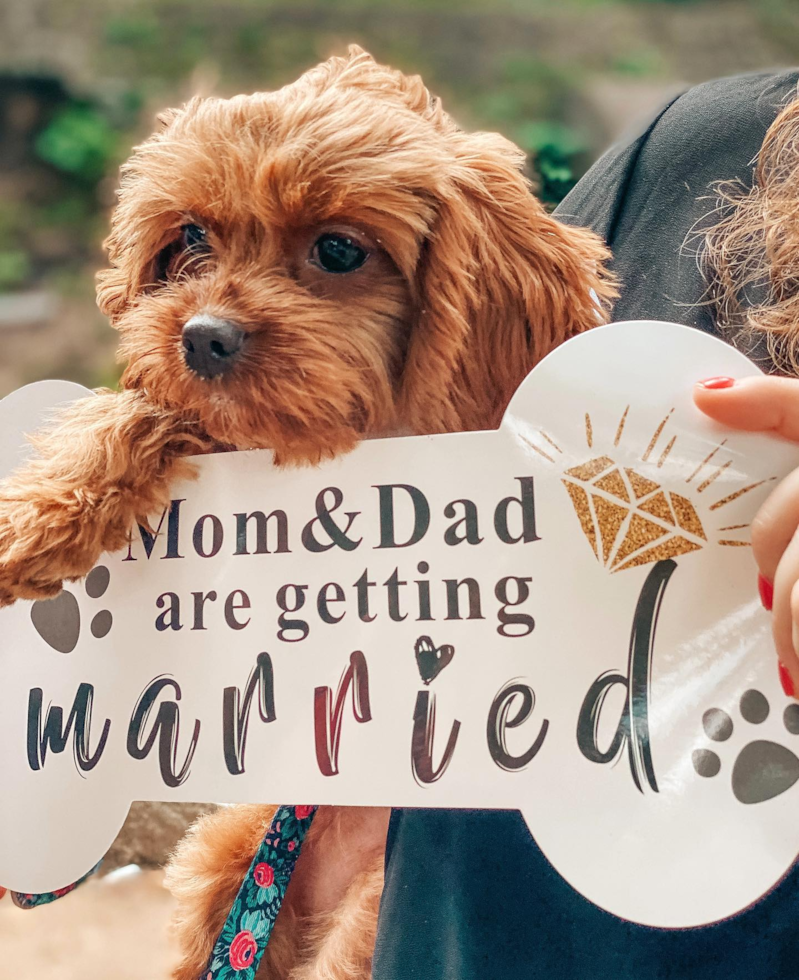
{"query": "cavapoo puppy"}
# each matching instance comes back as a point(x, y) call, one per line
point(297, 270)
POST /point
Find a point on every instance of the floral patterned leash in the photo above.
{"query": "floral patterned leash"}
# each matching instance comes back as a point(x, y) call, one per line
point(26, 900)
point(244, 937)
point(242, 942)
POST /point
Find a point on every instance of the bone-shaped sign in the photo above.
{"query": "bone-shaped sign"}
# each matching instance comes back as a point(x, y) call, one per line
point(559, 616)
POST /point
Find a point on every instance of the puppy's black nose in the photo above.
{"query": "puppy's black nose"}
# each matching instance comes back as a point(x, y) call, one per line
point(211, 345)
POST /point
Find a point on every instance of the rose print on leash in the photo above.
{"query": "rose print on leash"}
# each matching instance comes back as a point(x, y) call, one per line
point(559, 616)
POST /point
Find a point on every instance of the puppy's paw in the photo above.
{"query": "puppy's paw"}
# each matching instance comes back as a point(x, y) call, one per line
point(14, 586)
point(41, 549)
point(26, 577)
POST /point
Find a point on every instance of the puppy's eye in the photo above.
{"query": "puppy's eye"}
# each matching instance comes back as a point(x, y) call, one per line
point(186, 255)
point(194, 238)
point(338, 253)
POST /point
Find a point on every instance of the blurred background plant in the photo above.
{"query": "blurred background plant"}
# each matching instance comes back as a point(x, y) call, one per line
point(80, 81)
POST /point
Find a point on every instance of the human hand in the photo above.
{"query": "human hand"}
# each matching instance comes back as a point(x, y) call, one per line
point(768, 404)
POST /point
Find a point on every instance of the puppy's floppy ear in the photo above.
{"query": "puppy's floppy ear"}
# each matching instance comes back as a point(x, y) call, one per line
point(113, 292)
point(500, 283)
point(118, 285)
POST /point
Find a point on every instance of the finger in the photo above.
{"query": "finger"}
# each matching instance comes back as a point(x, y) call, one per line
point(786, 610)
point(756, 404)
point(775, 524)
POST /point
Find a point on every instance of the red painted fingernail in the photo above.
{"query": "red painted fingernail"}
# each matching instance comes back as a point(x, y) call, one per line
point(786, 681)
point(714, 383)
point(766, 590)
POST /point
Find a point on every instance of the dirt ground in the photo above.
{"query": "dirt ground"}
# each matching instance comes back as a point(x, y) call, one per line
point(115, 927)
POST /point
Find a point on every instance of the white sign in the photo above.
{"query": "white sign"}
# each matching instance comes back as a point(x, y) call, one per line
point(559, 616)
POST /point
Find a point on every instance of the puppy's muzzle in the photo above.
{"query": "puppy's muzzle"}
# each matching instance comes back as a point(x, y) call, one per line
point(211, 345)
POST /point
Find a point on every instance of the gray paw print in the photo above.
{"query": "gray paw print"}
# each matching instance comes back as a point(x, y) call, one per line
point(58, 620)
point(762, 769)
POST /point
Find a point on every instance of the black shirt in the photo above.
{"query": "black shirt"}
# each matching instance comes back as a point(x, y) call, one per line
point(647, 197)
point(468, 895)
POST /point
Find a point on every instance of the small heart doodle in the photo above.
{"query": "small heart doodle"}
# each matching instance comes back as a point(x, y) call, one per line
point(430, 659)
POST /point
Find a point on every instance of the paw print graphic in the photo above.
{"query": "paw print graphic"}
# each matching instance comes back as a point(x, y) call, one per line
point(58, 620)
point(762, 769)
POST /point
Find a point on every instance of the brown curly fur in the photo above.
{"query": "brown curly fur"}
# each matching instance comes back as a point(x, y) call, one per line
point(106, 462)
point(468, 284)
point(328, 920)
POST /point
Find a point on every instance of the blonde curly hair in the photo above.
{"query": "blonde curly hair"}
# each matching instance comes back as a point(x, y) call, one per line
point(750, 254)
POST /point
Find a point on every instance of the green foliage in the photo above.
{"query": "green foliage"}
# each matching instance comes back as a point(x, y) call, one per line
point(556, 150)
point(79, 141)
point(14, 269)
point(638, 62)
point(13, 215)
point(537, 136)
point(104, 377)
point(140, 31)
point(70, 211)
point(525, 101)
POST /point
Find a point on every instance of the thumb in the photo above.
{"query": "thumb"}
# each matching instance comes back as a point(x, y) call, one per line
point(754, 404)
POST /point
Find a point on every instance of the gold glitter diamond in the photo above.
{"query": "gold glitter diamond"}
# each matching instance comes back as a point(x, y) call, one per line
point(628, 519)
point(587, 471)
point(614, 484)
point(687, 517)
point(658, 506)
point(609, 517)
point(641, 486)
